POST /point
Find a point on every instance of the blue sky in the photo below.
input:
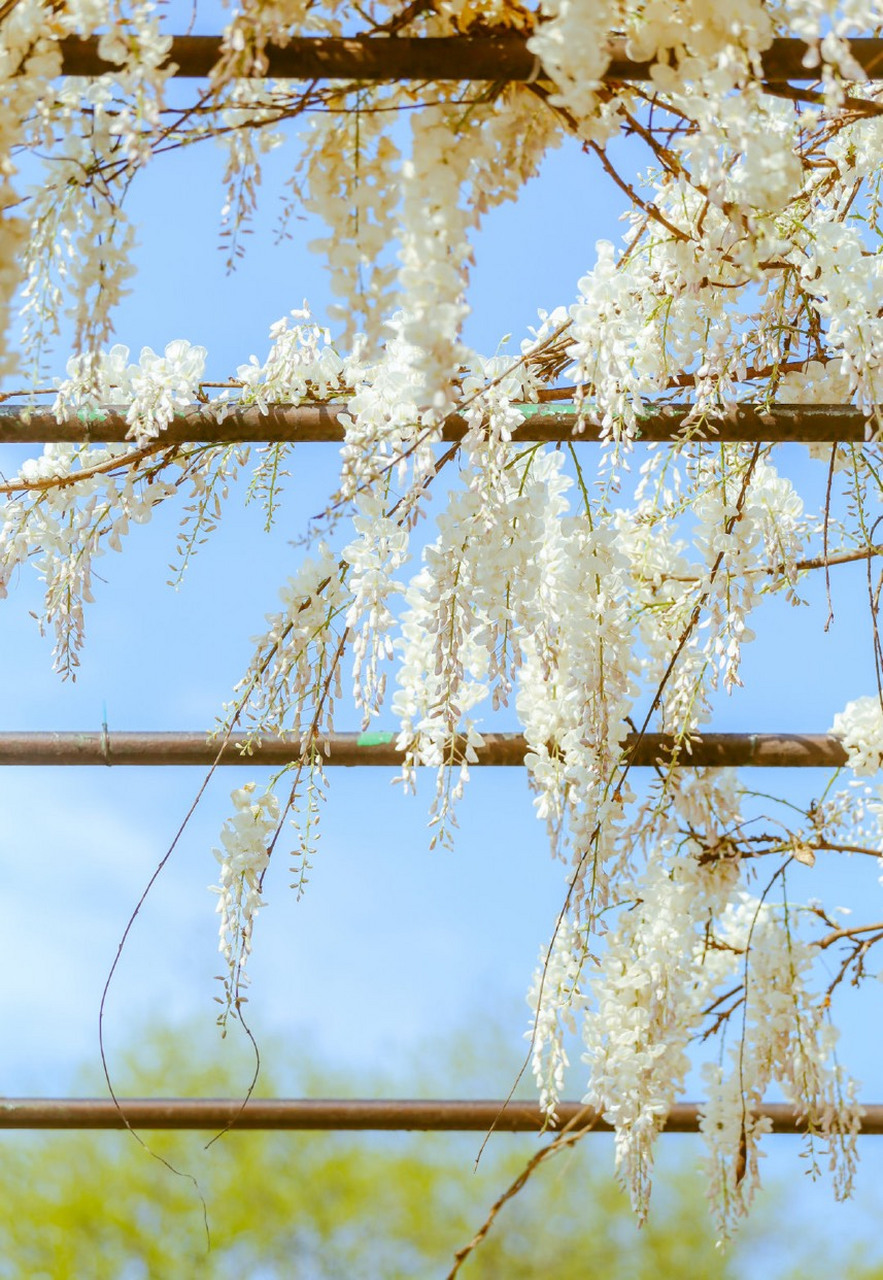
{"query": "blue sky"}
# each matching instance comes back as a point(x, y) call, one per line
point(391, 943)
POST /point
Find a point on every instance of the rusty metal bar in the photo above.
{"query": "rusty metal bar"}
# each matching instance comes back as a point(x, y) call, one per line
point(808, 424)
point(712, 750)
point(332, 1114)
point(460, 58)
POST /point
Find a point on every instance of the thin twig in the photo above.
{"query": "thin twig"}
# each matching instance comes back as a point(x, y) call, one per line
point(839, 934)
point(572, 1132)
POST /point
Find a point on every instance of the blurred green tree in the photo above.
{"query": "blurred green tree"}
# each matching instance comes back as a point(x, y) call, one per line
point(97, 1206)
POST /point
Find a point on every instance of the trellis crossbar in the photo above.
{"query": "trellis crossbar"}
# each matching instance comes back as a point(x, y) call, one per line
point(333, 1114)
point(709, 750)
point(749, 423)
point(452, 58)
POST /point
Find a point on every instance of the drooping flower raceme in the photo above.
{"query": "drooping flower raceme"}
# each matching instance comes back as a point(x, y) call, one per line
point(860, 727)
point(245, 854)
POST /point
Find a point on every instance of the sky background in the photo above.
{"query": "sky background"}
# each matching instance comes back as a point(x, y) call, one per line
point(392, 944)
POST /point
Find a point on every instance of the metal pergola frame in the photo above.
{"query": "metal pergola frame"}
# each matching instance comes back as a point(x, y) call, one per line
point(376, 59)
point(544, 422)
point(421, 58)
point(320, 423)
point(378, 749)
point(374, 1115)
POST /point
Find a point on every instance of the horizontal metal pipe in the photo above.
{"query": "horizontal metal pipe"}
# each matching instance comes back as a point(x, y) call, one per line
point(461, 58)
point(332, 1114)
point(808, 424)
point(713, 750)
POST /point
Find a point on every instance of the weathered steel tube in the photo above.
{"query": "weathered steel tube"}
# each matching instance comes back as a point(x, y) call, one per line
point(332, 1114)
point(711, 750)
point(459, 58)
point(807, 424)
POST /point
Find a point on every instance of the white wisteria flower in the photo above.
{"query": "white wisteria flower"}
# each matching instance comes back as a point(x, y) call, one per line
point(860, 727)
point(245, 854)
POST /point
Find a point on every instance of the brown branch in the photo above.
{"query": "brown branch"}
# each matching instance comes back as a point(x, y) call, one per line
point(123, 461)
point(827, 846)
point(858, 106)
point(839, 934)
point(751, 374)
point(855, 957)
point(801, 566)
point(651, 210)
point(721, 1019)
point(840, 557)
point(572, 1132)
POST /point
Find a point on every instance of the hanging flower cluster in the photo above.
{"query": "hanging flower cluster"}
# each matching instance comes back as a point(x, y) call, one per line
point(597, 603)
point(247, 838)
